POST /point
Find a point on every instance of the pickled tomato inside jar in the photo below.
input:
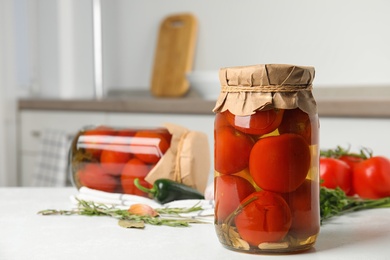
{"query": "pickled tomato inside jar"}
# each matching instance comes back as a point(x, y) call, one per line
point(260, 123)
point(109, 159)
point(278, 201)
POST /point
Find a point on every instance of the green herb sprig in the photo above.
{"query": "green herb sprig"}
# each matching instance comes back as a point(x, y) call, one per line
point(88, 208)
point(339, 151)
point(334, 202)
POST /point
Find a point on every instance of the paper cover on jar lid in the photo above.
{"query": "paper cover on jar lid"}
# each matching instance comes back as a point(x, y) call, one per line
point(187, 160)
point(265, 85)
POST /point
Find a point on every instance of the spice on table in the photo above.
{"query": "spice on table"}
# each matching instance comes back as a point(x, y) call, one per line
point(166, 190)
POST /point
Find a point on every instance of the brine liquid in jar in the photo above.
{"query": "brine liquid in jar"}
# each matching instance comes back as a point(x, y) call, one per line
point(266, 163)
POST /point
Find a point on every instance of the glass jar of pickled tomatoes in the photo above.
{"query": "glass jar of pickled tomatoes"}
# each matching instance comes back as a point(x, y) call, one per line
point(266, 159)
point(109, 159)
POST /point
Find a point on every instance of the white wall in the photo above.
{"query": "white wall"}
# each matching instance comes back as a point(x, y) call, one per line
point(356, 133)
point(8, 171)
point(347, 41)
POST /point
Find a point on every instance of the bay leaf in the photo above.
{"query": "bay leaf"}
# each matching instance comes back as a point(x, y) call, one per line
point(131, 224)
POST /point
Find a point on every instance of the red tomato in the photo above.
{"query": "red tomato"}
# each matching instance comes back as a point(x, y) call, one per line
point(304, 206)
point(93, 176)
point(232, 149)
point(127, 132)
point(298, 122)
point(114, 161)
point(149, 146)
point(352, 161)
point(280, 163)
point(220, 121)
point(96, 139)
point(335, 173)
point(265, 217)
point(371, 179)
point(133, 169)
point(165, 133)
point(260, 123)
point(229, 191)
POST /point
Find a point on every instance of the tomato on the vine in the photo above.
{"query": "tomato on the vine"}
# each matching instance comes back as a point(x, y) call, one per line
point(260, 123)
point(265, 217)
point(351, 160)
point(371, 179)
point(335, 173)
point(232, 149)
point(304, 207)
point(280, 163)
point(135, 168)
point(229, 191)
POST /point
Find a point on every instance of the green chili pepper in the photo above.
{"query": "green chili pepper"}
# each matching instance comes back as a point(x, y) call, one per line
point(166, 190)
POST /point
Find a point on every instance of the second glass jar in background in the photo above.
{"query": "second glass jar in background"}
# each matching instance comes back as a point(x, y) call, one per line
point(109, 159)
point(266, 159)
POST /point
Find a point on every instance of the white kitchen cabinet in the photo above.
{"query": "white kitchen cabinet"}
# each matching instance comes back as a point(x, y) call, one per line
point(355, 132)
point(32, 123)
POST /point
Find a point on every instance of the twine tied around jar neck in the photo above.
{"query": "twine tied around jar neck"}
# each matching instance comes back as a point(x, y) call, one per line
point(266, 89)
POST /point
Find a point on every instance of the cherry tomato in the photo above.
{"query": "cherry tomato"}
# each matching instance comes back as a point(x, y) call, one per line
point(265, 217)
point(93, 176)
point(335, 173)
point(298, 122)
point(280, 163)
point(260, 123)
point(95, 139)
point(229, 191)
point(232, 149)
point(114, 161)
point(135, 168)
point(371, 179)
point(149, 146)
point(304, 206)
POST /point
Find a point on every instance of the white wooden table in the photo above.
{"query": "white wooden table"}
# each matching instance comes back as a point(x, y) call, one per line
point(26, 235)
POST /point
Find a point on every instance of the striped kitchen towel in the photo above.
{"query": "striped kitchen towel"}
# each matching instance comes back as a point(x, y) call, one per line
point(51, 169)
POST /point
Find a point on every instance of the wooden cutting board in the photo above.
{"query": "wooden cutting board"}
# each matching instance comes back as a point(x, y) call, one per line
point(174, 55)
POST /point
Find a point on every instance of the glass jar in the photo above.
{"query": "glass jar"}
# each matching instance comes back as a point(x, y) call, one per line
point(109, 159)
point(266, 171)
